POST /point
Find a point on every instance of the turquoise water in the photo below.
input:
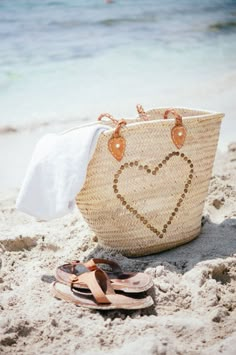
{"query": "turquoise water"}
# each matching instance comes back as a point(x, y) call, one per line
point(62, 60)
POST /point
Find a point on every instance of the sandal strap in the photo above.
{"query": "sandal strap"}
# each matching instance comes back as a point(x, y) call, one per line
point(77, 268)
point(92, 264)
point(71, 274)
point(93, 280)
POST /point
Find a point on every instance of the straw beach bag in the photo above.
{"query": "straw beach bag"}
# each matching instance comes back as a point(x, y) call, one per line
point(148, 179)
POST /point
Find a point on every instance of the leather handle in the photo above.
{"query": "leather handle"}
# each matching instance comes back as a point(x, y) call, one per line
point(178, 131)
point(108, 115)
point(178, 118)
point(143, 115)
point(141, 112)
point(119, 123)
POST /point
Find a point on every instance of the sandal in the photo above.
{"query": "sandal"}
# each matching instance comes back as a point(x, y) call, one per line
point(131, 282)
point(103, 296)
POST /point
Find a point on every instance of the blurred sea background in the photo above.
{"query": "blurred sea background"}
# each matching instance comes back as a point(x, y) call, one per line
point(62, 63)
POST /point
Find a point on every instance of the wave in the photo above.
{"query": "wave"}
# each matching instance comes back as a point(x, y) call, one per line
point(119, 21)
point(67, 24)
point(223, 26)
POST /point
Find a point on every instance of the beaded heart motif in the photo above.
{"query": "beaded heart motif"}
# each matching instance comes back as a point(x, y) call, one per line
point(153, 171)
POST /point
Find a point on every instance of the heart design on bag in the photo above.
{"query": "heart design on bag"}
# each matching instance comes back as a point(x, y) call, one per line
point(153, 171)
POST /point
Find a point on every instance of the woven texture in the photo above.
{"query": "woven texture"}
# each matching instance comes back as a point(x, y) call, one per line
point(153, 198)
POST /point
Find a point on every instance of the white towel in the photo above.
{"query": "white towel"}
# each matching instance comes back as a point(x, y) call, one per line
point(57, 172)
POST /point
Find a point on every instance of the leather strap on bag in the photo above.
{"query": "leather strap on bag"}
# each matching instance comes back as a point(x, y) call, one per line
point(141, 112)
point(178, 118)
point(116, 143)
point(178, 132)
point(119, 123)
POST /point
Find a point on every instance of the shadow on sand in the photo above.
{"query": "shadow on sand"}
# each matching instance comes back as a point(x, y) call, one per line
point(215, 241)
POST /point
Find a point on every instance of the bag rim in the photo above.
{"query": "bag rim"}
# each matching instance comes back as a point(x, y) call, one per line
point(132, 121)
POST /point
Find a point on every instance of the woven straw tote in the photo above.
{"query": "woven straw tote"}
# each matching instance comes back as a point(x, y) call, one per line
point(148, 179)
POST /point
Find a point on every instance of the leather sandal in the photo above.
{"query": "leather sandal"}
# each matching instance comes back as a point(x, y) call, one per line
point(103, 296)
point(130, 282)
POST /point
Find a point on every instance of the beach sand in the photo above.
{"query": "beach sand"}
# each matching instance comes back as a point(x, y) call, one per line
point(194, 290)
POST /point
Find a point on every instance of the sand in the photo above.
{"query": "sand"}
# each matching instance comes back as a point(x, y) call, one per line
point(194, 290)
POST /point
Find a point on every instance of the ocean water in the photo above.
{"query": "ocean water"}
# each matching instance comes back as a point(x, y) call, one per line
point(64, 60)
